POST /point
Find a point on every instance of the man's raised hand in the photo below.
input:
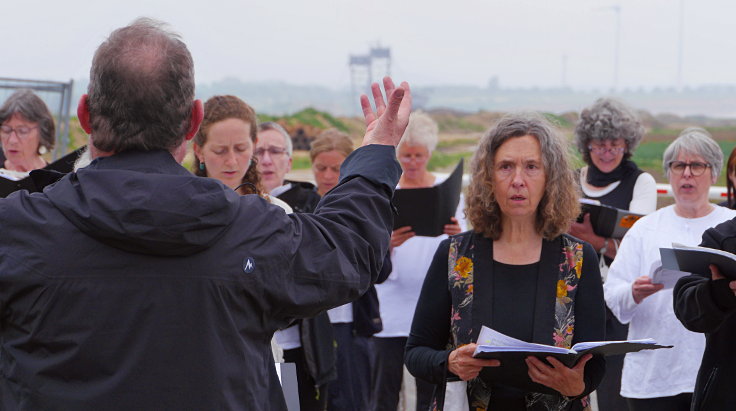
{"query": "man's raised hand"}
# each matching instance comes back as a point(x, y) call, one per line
point(387, 124)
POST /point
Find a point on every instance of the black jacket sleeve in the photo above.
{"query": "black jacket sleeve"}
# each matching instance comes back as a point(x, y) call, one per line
point(331, 257)
point(426, 349)
point(700, 303)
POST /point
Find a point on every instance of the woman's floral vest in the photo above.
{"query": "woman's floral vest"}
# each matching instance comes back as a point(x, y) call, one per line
point(460, 284)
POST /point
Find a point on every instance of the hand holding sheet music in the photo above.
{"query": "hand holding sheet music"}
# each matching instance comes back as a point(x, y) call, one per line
point(428, 210)
point(607, 221)
point(513, 353)
point(697, 260)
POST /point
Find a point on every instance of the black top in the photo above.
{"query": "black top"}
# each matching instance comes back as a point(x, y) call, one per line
point(426, 348)
point(621, 196)
point(301, 196)
point(517, 322)
point(522, 279)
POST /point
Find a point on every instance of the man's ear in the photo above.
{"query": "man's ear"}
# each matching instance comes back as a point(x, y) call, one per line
point(83, 114)
point(196, 119)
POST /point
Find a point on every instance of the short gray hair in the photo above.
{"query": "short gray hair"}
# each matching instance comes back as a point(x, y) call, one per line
point(29, 106)
point(608, 119)
point(422, 130)
point(141, 89)
point(696, 141)
point(272, 125)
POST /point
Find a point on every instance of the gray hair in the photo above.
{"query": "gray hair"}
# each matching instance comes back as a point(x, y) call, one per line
point(608, 119)
point(271, 125)
point(696, 141)
point(141, 89)
point(29, 106)
point(559, 205)
point(421, 131)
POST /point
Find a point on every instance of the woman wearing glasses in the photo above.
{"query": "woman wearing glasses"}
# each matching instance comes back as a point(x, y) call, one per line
point(410, 258)
point(26, 132)
point(606, 136)
point(665, 379)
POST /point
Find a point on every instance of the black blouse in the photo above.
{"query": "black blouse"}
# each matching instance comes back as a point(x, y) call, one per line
point(512, 314)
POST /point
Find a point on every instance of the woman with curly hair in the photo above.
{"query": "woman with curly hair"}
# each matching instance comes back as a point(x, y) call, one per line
point(606, 136)
point(516, 272)
point(224, 144)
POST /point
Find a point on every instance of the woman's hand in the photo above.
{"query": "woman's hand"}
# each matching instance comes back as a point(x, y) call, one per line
point(461, 362)
point(584, 230)
point(643, 288)
point(716, 275)
point(567, 381)
point(454, 228)
point(400, 235)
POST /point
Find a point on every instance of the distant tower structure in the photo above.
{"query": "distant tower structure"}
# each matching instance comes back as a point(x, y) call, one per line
point(381, 62)
point(360, 74)
point(368, 68)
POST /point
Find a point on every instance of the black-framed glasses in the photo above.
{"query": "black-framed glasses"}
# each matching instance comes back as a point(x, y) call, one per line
point(272, 150)
point(20, 131)
point(697, 168)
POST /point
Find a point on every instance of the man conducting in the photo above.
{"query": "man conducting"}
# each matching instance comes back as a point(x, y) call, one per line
point(134, 285)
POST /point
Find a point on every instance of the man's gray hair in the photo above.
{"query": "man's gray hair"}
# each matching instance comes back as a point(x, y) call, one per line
point(141, 89)
point(608, 119)
point(271, 125)
point(695, 141)
point(30, 106)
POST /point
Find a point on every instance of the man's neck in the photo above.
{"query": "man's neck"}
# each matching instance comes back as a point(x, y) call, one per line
point(94, 152)
point(177, 152)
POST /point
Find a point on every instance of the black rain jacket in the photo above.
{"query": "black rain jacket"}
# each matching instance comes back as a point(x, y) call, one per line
point(134, 285)
point(709, 307)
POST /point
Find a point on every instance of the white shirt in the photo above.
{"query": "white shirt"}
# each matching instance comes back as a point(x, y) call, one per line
point(398, 295)
point(663, 372)
point(643, 199)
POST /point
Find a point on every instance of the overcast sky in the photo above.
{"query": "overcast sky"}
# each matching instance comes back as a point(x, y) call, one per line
point(433, 42)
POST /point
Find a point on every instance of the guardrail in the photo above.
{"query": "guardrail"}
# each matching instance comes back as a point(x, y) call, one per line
point(716, 193)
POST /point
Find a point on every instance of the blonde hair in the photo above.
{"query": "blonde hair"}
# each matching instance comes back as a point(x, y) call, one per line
point(328, 140)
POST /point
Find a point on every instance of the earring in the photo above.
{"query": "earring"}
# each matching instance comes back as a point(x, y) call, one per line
point(201, 166)
point(42, 150)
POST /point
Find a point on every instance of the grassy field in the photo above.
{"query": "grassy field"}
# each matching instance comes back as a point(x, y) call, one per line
point(459, 134)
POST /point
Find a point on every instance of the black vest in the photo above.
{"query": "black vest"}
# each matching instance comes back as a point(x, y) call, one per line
point(621, 196)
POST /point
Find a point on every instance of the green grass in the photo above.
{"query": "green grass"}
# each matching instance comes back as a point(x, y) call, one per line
point(308, 116)
point(441, 161)
point(459, 124)
point(300, 163)
point(559, 121)
point(456, 142)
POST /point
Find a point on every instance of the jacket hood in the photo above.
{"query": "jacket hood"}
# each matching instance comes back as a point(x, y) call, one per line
point(146, 203)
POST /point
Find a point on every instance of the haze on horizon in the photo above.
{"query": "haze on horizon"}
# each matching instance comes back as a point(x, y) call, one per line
point(522, 42)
